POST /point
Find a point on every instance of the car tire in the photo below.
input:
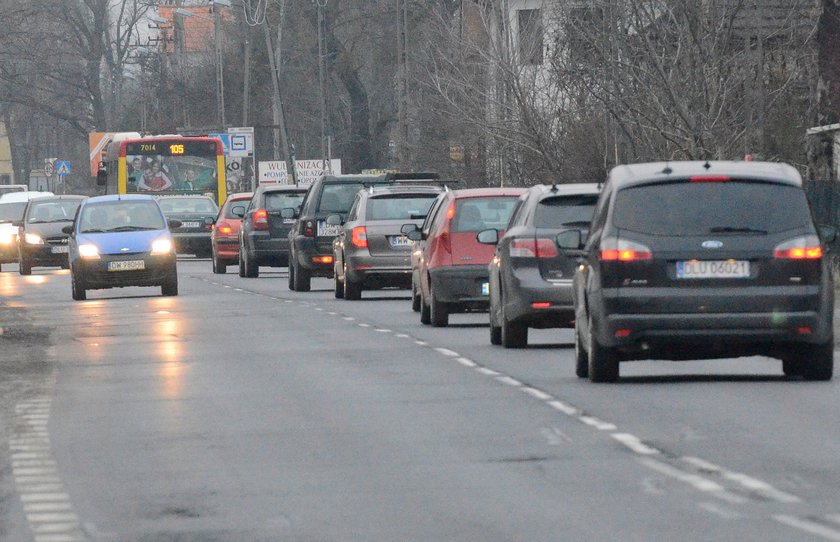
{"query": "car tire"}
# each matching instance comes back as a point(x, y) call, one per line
point(603, 361)
point(219, 266)
point(581, 357)
point(415, 297)
point(339, 288)
point(241, 262)
point(514, 334)
point(252, 270)
point(352, 288)
point(79, 292)
point(438, 311)
point(813, 362)
point(425, 310)
point(291, 277)
point(25, 266)
point(170, 287)
point(303, 281)
point(495, 335)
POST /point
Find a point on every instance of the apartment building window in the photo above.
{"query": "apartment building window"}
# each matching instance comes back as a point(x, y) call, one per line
point(530, 36)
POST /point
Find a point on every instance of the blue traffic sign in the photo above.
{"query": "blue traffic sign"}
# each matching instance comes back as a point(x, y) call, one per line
point(62, 167)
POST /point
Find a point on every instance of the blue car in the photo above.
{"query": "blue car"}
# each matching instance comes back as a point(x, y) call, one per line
point(119, 241)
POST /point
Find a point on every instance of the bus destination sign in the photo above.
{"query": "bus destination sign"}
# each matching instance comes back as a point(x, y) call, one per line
point(171, 148)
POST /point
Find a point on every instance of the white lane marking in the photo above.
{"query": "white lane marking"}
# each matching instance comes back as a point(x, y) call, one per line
point(238, 290)
point(362, 324)
point(37, 471)
point(332, 313)
point(537, 394)
point(380, 330)
point(758, 486)
point(509, 381)
point(697, 482)
point(447, 352)
point(56, 538)
point(466, 362)
point(809, 526)
point(488, 372)
point(421, 343)
point(349, 318)
point(46, 461)
point(718, 510)
point(598, 424)
point(51, 517)
point(564, 408)
point(402, 336)
point(23, 480)
point(55, 527)
point(47, 507)
point(44, 497)
point(319, 309)
point(634, 443)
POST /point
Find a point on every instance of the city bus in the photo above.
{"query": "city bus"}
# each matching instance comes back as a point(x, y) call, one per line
point(164, 165)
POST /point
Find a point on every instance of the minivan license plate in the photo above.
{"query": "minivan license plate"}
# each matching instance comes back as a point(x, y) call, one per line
point(713, 269)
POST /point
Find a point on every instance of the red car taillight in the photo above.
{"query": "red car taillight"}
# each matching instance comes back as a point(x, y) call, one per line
point(260, 219)
point(533, 248)
point(802, 248)
point(359, 237)
point(223, 228)
point(622, 250)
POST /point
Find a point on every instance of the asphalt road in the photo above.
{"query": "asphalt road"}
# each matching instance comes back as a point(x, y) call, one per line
point(242, 411)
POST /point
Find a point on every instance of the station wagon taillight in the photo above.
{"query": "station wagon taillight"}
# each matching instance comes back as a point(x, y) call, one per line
point(806, 247)
point(359, 237)
point(622, 250)
point(260, 219)
point(710, 179)
point(533, 248)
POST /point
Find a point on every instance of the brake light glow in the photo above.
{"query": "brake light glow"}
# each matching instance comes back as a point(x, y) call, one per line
point(710, 179)
point(260, 219)
point(223, 228)
point(359, 237)
point(541, 305)
point(450, 213)
point(322, 259)
point(804, 330)
point(623, 332)
point(622, 250)
point(533, 248)
point(802, 248)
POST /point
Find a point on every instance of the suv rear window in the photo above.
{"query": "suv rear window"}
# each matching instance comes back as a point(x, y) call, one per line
point(565, 211)
point(684, 208)
point(399, 207)
point(276, 201)
point(476, 214)
point(338, 197)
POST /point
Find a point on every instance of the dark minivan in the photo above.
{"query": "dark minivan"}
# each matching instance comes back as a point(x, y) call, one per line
point(702, 260)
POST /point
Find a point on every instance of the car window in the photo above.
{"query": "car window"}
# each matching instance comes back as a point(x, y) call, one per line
point(685, 208)
point(123, 215)
point(53, 211)
point(10, 212)
point(433, 213)
point(354, 209)
point(276, 201)
point(476, 214)
point(399, 207)
point(187, 205)
point(237, 203)
point(338, 197)
point(565, 211)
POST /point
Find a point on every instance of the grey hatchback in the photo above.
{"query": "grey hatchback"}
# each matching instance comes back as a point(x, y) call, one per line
point(702, 260)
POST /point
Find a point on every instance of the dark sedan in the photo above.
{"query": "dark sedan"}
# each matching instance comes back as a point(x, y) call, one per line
point(196, 215)
point(40, 239)
point(530, 278)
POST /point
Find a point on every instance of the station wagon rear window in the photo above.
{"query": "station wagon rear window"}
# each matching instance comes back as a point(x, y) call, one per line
point(736, 207)
point(399, 207)
point(565, 212)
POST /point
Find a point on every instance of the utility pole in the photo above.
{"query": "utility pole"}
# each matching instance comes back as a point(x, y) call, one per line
point(278, 103)
point(402, 82)
point(321, 4)
point(220, 72)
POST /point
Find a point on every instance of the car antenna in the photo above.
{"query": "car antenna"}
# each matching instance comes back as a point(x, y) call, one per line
point(707, 165)
point(667, 170)
point(553, 186)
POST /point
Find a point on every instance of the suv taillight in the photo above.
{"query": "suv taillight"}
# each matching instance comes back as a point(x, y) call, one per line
point(533, 248)
point(359, 237)
point(621, 250)
point(260, 219)
point(806, 247)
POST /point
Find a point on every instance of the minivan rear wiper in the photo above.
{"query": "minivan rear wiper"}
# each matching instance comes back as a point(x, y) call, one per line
point(577, 223)
point(733, 229)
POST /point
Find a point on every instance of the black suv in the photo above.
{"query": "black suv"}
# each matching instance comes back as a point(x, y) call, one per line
point(311, 237)
point(263, 236)
point(702, 260)
point(530, 278)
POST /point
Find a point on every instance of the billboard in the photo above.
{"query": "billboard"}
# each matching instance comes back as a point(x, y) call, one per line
point(275, 172)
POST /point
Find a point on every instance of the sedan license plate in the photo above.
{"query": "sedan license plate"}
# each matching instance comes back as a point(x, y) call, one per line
point(328, 230)
point(190, 224)
point(713, 269)
point(127, 265)
point(61, 249)
point(400, 241)
point(485, 288)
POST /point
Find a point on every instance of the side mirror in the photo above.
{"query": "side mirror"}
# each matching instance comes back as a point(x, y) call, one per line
point(67, 229)
point(488, 237)
point(334, 220)
point(288, 212)
point(238, 211)
point(569, 239)
point(408, 228)
point(828, 234)
point(174, 224)
point(102, 175)
point(414, 235)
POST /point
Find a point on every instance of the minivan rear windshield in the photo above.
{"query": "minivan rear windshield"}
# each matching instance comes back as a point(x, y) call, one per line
point(685, 208)
point(565, 211)
point(399, 207)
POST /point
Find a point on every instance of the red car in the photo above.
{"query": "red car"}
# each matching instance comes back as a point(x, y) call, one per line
point(450, 265)
point(225, 235)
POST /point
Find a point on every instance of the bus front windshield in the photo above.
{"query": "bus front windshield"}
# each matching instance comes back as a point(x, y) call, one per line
point(158, 173)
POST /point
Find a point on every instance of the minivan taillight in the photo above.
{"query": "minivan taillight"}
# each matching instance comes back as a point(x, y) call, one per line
point(260, 219)
point(622, 250)
point(802, 248)
point(533, 248)
point(359, 237)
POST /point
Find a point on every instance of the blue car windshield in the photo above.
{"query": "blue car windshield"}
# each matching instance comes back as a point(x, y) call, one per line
point(125, 215)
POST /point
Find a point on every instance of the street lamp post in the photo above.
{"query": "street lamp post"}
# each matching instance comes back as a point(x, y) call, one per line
point(217, 35)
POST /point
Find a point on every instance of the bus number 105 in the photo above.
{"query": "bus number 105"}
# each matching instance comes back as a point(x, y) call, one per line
point(176, 148)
